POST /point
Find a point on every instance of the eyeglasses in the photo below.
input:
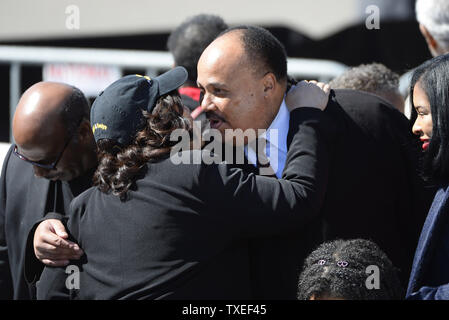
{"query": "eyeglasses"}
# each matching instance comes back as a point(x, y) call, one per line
point(51, 166)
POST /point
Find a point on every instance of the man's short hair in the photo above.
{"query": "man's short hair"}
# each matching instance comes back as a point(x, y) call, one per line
point(75, 109)
point(265, 52)
point(375, 78)
point(434, 15)
point(188, 41)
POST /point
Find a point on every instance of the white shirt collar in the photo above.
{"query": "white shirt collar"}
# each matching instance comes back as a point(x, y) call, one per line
point(281, 124)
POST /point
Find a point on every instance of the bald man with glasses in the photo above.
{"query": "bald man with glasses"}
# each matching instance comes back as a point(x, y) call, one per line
point(50, 166)
point(51, 162)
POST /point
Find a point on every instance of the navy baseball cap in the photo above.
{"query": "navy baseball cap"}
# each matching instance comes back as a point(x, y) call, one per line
point(117, 112)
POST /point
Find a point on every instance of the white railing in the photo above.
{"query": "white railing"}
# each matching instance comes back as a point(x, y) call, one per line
point(151, 61)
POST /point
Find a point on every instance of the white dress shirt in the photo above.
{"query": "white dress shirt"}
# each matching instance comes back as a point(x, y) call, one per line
point(276, 146)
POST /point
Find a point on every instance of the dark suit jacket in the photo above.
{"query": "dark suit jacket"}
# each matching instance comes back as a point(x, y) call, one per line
point(420, 287)
point(183, 232)
point(374, 192)
point(25, 200)
point(374, 189)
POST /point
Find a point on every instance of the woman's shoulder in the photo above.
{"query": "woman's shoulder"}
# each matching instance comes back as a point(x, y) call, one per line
point(192, 165)
point(82, 199)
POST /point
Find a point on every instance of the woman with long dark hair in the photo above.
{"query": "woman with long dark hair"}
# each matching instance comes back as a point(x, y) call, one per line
point(429, 93)
point(152, 229)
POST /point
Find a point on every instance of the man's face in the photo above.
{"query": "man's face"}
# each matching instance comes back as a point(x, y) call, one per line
point(233, 92)
point(59, 146)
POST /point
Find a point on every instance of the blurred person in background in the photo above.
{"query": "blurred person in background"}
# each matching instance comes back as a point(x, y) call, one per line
point(186, 43)
point(433, 18)
point(373, 78)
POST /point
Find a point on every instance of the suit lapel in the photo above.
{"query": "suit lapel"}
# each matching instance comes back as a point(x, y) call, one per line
point(39, 189)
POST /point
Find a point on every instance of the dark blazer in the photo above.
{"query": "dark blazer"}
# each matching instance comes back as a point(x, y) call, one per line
point(24, 201)
point(373, 192)
point(420, 286)
point(183, 232)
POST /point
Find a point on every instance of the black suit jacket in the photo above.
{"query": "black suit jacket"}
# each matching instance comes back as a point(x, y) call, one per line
point(183, 232)
point(24, 201)
point(374, 192)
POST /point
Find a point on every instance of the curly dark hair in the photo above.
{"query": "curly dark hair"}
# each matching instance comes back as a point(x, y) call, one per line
point(121, 166)
point(338, 269)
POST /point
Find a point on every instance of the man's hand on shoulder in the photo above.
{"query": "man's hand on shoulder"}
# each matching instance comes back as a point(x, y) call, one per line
point(311, 94)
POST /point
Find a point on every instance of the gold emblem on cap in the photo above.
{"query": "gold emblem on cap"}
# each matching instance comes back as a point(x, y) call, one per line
point(146, 77)
point(99, 126)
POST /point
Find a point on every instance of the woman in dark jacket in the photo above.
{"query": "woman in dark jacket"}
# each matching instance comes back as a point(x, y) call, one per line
point(429, 92)
point(153, 229)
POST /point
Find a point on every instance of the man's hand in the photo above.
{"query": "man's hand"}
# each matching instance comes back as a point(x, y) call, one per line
point(311, 94)
point(50, 244)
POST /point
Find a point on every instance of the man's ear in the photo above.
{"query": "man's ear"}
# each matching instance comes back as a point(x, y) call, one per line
point(431, 42)
point(269, 84)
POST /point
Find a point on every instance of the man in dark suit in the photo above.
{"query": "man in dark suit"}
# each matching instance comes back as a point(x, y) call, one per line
point(372, 185)
point(51, 162)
